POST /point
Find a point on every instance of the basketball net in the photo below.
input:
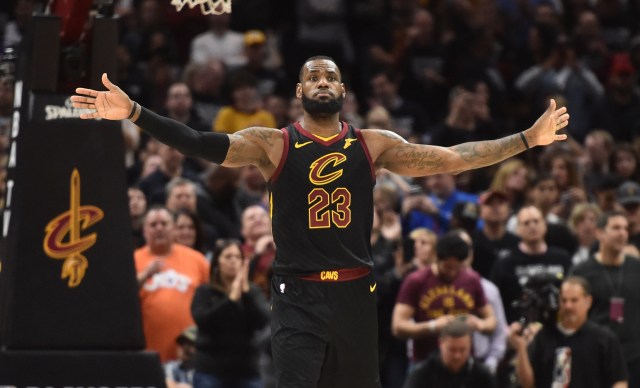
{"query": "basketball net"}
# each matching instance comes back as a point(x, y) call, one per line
point(208, 7)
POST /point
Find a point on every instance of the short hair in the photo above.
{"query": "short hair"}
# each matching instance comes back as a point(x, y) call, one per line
point(580, 281)
point(457, 328)
point(530, 207)
point(179, 181)
point(314, 58)
point(452, 245)
point(156, 207)
point(603, 220)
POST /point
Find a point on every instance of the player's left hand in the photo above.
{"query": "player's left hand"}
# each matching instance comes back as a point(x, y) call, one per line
point(544, 130)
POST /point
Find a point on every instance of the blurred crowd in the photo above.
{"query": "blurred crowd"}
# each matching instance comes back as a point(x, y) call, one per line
point(435, 71)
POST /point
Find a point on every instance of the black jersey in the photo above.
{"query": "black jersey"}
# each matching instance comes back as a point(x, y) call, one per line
point(321, 200)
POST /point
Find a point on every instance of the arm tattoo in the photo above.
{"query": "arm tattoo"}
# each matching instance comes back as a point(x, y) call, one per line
point(248, 146)
point(260, 134)
point(428, 161)
point(484, 153)
point(236, 150)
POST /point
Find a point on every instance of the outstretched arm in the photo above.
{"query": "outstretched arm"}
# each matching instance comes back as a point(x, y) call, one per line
point(390, 151)
point(256, 146)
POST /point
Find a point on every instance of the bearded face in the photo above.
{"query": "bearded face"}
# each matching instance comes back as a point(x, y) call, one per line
point(322, 106)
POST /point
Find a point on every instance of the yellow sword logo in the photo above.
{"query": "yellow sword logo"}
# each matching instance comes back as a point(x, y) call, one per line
point(347, 142)
point(71, 223)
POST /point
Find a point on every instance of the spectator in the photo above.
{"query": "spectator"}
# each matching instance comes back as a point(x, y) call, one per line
point(424, 65)
point(181, 195)
point(424, 248)
point(206, 81)
point(604, 192)
point(563, 167)
point(154, 185)
point(407, 119)
point(492, 242)
point(221, 186)
point(246, 110)
point(385, 199)
point(378, 117)
point(532, 257)
point(582, 223)
point(252, 188)
point(629, 197)
point(190, 232)
point(258, 245)
point(574, 353)
point(488, 348)
point(383, 251)
point(453, 366)
point(432, 297)
point(543, 194)
point(512, 179)
point(619, 111)
point(179, 372)
point(278, 106)
point(418, 251)
point(295, 110)
point(137, 210)
point(15, 29)
point(614, 279)
point(349, 112)
point(229, 310)
point(179, 106)
point(168, 274)
point(464, 216)
point(219, 43)
point(468, 118)
point(444, 195)
point(625, 162)
point(268, 81)
point(598, 147)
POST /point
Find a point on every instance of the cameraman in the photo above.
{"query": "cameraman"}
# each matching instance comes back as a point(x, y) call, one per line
point(575, 352)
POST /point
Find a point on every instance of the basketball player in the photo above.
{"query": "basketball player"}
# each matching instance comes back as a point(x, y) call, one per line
point(320, 173)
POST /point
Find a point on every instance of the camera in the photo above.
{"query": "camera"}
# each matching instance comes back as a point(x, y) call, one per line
point(539, 300)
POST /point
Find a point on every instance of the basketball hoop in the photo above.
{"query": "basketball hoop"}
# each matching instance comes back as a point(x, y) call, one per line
point(208, 7)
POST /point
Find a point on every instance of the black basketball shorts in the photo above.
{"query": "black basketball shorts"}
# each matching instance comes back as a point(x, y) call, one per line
point(324, 333)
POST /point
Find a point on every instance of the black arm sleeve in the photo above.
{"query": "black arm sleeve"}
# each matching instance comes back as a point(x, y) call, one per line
point(206, 145)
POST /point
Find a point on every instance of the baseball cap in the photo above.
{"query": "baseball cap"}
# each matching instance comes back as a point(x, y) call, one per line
point(629, 193)
point(491, 194)
point(252, 37)
point(465, 211)
point(621, 64)
point(188, 335)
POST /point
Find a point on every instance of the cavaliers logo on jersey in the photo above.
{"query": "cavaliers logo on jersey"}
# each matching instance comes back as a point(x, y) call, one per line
point(323, 169)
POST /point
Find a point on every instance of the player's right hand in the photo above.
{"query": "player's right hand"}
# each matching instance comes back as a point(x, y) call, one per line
point(113, 104)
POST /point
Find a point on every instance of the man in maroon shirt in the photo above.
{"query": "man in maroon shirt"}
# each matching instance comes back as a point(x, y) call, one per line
point(432, 297)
